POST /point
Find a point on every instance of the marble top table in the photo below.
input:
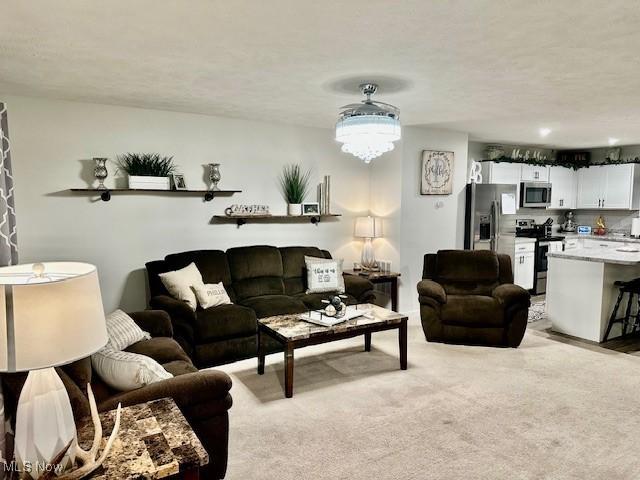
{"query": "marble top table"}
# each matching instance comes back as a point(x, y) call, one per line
point(154, 441)
point(292, 333)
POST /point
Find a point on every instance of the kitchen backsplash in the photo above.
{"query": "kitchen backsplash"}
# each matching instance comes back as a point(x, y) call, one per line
point(616, 221)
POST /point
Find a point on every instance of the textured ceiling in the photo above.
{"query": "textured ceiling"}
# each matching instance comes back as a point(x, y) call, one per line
point(497, 69)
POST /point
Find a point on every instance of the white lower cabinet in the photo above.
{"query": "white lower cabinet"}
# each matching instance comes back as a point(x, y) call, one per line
point(524, 265)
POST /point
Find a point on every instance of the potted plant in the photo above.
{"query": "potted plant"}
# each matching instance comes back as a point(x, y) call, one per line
point(147, 170)
point(294, 183)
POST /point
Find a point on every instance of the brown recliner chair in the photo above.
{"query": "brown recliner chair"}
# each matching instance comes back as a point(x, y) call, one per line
point(468, 297)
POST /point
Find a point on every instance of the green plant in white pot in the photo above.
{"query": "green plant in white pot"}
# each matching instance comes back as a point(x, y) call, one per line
point(148, 171)
point(294, 182)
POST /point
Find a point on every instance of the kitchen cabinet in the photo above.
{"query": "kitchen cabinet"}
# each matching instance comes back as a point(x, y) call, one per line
point(564, 187)
point(534, 173)
point(609, 187)
point(503, 172)
point(524, 265)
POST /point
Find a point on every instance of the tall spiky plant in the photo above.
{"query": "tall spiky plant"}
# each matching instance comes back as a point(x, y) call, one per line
point(294, 182)
point(146, 164)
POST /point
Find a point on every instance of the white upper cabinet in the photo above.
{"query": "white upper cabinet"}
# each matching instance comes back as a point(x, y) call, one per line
point(610, 187)
point(564, 187)
point(503, 172)
point(534, 173)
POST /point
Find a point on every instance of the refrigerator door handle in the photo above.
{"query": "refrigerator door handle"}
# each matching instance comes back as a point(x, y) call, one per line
point(495, 221)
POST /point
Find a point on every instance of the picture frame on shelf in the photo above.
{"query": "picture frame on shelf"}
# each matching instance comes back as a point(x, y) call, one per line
point(311, 208)
point(178, 182)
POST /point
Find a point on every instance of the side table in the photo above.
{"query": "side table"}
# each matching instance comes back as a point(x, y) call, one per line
point(381, 277)
point(154, 441)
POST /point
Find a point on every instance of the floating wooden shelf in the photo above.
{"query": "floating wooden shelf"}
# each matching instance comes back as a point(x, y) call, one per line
point(105, 195)
point(241, 220)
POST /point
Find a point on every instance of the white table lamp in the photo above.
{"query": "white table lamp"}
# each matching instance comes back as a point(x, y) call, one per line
point(51, 314)
point(368, 228)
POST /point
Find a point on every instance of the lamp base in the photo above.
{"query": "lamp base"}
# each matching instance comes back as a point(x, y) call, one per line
point(368, 260)
point(44, 423)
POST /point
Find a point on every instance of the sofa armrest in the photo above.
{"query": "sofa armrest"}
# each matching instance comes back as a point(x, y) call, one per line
point(203, 394)
point(156, 322)
point(509, 294)
point(182, 317)
point(433, 290)
point(357, 286)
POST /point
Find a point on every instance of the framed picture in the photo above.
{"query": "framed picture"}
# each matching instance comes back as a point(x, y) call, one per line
point(178, 182)
point(437, 173)
point(311, 208)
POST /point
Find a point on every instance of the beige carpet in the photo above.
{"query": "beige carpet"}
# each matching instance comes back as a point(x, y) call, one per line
point(547, 410)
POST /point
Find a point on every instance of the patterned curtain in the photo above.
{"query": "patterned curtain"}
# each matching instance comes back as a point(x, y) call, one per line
point(8, 235)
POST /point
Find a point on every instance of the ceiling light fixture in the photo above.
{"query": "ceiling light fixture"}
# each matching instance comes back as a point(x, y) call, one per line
point(613, 141)
point(368, 129)
point(544, 132)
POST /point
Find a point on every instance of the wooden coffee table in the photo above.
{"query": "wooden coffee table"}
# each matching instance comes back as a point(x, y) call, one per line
point(294, 333)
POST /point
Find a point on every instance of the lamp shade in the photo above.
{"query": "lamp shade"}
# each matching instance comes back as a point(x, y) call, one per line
point(50, 314)
point(368, 227)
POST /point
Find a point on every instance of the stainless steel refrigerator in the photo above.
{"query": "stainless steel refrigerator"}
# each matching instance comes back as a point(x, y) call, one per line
point(490, 217)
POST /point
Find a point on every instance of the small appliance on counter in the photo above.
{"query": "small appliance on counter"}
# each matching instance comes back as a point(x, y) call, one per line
point(583, 230)
point(569, 224)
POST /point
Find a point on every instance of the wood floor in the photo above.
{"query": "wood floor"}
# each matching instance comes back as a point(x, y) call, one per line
point(629, 344)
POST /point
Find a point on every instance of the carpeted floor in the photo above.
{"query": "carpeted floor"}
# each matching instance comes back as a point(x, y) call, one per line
point(547, 410)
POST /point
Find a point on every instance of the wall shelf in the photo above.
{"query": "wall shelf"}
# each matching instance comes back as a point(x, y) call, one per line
point(105, 194)
point(241, 220)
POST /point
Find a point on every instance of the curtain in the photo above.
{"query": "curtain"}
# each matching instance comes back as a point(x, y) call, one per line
point(8, 236)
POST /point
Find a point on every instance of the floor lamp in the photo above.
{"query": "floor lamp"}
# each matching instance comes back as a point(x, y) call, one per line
point(51, 314)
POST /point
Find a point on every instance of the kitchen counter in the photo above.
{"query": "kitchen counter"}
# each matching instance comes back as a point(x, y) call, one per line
point(606, 238)
point(599, 254)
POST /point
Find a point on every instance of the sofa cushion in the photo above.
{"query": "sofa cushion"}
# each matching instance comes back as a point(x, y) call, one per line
point(256, 271)
point(212, 264)
point(467, 272)
point(294, 268)
point(224, 321)
point(269, 305)
point(313, 301)
point(161, 349)
point(472, 311)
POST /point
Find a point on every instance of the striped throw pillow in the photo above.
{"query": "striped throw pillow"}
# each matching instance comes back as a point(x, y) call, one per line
point(123, 331)
point(126, 371)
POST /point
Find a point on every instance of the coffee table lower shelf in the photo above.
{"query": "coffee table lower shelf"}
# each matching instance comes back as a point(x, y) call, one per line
point(325, 336)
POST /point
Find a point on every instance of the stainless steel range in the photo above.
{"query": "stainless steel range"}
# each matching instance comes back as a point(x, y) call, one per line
point(545, 243)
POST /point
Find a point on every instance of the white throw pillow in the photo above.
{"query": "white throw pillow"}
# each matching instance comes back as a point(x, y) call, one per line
point(123, 331)
point(179, 283)
point(324, 275)
point(211, 295)
point(126, 371)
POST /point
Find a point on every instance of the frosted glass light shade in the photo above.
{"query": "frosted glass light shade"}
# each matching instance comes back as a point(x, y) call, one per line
point(50, 314)
point(368, 227)
point(368, 136)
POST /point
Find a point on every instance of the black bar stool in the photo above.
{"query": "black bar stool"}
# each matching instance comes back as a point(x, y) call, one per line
point(631, 288)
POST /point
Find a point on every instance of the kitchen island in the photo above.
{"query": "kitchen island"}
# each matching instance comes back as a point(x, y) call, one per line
point(581, 292)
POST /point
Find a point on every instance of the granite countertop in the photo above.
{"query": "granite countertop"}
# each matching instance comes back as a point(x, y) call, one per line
point(604, 238)
point(599, 254)
point(525, 240)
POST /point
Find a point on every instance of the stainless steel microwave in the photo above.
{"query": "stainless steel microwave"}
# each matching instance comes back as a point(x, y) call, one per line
point(535, 194)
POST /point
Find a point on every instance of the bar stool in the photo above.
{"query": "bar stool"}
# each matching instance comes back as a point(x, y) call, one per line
point(632, 288)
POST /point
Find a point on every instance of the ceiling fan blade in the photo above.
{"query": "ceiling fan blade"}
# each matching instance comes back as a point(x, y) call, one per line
point(393, 107)
point(350, 106)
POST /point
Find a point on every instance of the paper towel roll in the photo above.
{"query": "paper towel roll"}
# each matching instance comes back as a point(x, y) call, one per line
point(635, 227)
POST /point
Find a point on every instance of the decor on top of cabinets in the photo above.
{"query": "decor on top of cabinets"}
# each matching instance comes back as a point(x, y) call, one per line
point(494, 152)
point(613, 154)
point(100, 171)
point(214, 176)
point(475, 172)
point(437, 173)
point(177, 181)
point(368, 129)
point(148, 171)
point(294, 182)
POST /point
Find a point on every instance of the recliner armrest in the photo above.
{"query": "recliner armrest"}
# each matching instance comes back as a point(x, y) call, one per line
point(509, 294)
point(356, 285)
point(431, 289)
point(156, 322)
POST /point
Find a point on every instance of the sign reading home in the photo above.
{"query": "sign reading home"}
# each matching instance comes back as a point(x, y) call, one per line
point(437, 173)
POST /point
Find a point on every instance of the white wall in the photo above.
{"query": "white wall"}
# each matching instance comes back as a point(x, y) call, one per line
point(417, 224)
point(53, 142)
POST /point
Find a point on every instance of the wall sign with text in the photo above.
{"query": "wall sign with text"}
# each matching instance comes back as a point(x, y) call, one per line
point(437, 173)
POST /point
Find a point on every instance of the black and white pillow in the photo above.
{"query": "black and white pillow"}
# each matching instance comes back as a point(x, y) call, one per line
point(127, 371)
point(123, 331)
point(324, 275)
point(211, 295)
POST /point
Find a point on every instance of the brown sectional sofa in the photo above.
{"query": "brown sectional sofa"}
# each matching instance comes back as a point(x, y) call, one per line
point(261, 281)
point(469, 297)
point(203, 397)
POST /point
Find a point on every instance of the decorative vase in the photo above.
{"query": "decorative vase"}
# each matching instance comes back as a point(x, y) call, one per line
point(100, 172)
point(294, 209)
point(214, 175)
